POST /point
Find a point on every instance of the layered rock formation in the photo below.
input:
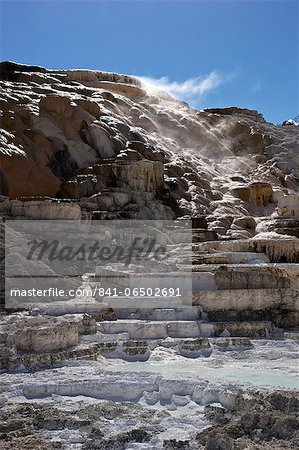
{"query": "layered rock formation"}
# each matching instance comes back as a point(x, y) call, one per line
point(74, 409)
point(90, 145)
point(102, 141)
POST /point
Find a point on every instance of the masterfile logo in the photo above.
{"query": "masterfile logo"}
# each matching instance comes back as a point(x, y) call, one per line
point(60, 259)
point(97, 252)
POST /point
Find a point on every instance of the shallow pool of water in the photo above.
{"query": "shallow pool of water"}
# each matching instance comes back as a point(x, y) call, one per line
point(196, 368)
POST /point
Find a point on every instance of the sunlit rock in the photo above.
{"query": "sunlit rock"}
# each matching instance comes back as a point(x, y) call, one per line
point(259, 193)
point(45, 210)
point(288, 206)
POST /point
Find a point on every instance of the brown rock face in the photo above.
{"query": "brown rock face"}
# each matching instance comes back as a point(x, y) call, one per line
point(80, 133)
point(26, 173)
point(39, 334)
point(245, 222)
point(43, 338)
point(142, 175)
point(259, 193)
point(45, 210)
point(288, 206)
point(237, 112)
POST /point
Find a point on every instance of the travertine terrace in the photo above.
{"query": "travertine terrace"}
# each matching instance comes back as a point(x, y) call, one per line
point(91, 145)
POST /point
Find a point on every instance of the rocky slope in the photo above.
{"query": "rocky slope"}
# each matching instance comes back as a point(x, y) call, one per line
point(105, 147)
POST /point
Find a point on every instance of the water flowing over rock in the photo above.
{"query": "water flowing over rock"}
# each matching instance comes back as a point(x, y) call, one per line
point(76, 133)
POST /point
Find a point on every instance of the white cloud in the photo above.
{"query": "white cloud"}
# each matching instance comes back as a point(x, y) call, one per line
point(256, 87)
point(192, 89)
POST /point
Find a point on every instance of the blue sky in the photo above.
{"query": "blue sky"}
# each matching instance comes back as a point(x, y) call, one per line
point(210, 53)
